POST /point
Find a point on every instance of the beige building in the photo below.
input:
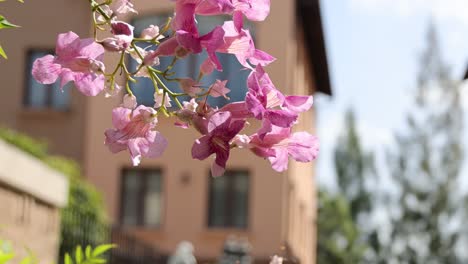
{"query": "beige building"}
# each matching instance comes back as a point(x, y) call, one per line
point(29, 208)
point(171, 199)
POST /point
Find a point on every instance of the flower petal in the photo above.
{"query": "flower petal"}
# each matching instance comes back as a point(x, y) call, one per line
point(89, 84)
point(219, 121)
point(298, 103)
point(201, 148)
point(45, 70)
point(67, 45)
point(303, 147)
point(112, 141)
point(280, 161)
point(156, 144)
point(281, 118)
point(121, 117)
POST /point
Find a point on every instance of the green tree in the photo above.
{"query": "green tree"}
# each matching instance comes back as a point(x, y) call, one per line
point(341, 238)
point(338, 236)
point(426, 165)
point(353, 166)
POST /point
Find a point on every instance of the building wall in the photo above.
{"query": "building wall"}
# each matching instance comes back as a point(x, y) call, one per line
point(280, 204)
point(40, 23)
point(23, 217)
point(30, 197)
point(186, 205)
point(301, 225)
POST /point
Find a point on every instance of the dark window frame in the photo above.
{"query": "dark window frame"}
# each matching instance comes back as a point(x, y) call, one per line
point(49, 105)
point(142, 173)
point(229, 201)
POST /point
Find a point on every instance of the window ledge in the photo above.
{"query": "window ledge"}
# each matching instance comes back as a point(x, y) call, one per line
point(224, 232)
point(47, 113)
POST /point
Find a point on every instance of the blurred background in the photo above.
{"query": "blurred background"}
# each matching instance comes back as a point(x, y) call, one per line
point(388, 83)
point(392, 135)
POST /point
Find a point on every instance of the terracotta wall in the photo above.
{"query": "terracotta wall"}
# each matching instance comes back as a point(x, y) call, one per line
point(40, 23)
point(185, 208)
point(29, 224)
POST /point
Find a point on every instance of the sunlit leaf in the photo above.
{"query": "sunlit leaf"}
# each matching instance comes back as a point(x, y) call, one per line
point(26, 260)
point(68, 259)
point(5, 23)
point(88, 252)
point(102, 248)
point(78, 255)
point(5, 257)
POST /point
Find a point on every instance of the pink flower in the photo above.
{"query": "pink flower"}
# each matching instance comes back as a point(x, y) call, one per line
point(158, 100)
point(298, 103)
point(267, 103)
point(122, 7)
point(238, 110)
point(114, 44)
point(77, 60)
point(123, 32)
point(229, 38)
point(190, 86)
point(129, 101)
point(256, 10)
point(151, 32)
point(207, 67)
point(219, 89)
point(278, 145)
point(239, 42)
point(133, 130)
point(221, 130)
point(111, 91)
point(263, 100)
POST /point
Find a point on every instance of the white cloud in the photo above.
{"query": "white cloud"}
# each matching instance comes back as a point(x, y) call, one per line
point(442, 10)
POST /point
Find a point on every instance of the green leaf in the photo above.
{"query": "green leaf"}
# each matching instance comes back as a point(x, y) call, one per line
point(5, 23)
point(102, 248)
point(98, 261)
point(26, 260)
point(68, 259)
point(88, 252)
point(5, 257)
point(78, 255)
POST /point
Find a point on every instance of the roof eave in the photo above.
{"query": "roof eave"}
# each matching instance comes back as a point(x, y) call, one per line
point(309, 17)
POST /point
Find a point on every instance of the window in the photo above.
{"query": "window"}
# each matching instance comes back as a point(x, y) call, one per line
point(141, 199)
point(228, 204)
point(44, 96)
point(189, 67)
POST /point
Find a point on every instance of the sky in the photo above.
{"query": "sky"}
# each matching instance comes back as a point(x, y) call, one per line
point(373, 48)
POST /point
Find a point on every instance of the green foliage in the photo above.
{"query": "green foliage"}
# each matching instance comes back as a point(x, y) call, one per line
point(33, 147)
point(338, 235)
point(341, 237)
point(7, 253)
point(426, 167)
point(2, 53)
point(88, 256)
point(353, 167)
point(83, 220)
point(4, 23)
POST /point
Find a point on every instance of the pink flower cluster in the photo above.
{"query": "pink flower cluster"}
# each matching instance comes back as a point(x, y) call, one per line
point(81, 61)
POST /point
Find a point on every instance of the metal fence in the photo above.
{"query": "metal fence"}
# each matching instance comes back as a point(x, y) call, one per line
point(84, 232)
